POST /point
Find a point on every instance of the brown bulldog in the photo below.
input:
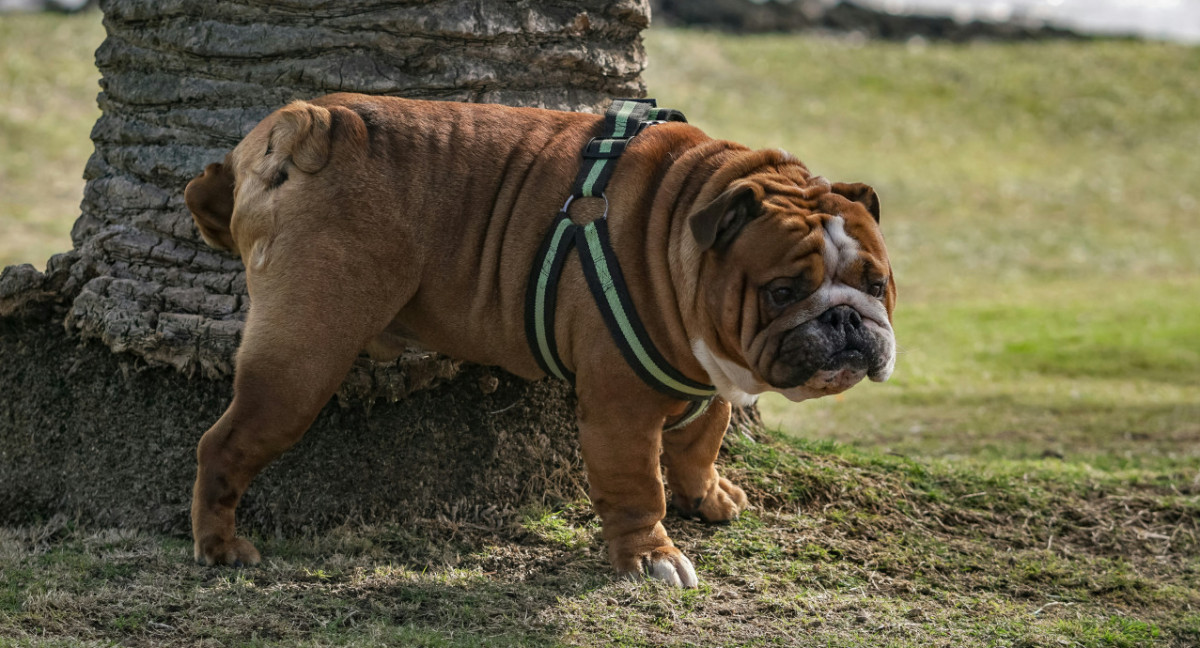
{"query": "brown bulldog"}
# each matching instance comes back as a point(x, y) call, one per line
point(369, 222)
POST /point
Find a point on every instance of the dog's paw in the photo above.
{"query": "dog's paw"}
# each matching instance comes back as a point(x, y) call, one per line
point(235, 553)
point(666, 564)
point(722, 503)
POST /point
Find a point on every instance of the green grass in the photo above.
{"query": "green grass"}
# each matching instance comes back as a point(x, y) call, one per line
point(48, 86)
point(1040, 203)
point(1027, 479)
point(1107, 374)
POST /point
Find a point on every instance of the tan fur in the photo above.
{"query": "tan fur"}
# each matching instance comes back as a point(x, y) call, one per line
point(366, 222)
point(210, 199)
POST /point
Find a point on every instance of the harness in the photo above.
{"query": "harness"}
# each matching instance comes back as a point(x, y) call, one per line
point(624, 119)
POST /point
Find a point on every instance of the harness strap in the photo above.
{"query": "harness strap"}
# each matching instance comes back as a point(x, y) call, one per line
point(607, 283)
point(694, 410)
point(624, 119)
point(542, 293)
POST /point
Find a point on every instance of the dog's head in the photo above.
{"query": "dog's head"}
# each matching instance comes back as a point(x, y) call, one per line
point(795, 280)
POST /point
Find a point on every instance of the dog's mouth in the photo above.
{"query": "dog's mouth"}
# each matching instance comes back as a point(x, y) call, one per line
point(842, 371)
point(849, 359)
point(827, 356)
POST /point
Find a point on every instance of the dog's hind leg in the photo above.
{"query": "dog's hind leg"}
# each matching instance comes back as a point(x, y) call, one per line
point(310, 315)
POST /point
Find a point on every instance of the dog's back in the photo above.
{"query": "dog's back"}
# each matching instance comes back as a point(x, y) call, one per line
point(383, 145)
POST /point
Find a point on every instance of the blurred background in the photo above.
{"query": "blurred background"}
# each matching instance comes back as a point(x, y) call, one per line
point(1036, 162)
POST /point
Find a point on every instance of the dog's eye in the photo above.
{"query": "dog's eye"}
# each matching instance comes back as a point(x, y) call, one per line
point(782, 295)
point(877, 288)
point(781, 292)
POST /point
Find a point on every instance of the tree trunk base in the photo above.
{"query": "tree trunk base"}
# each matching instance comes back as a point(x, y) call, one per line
point(109, 440)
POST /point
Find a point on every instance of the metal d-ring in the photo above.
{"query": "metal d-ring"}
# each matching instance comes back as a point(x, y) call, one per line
point(572, 197)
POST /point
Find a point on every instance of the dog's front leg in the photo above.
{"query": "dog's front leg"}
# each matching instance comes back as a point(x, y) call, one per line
point(690, 455)
point(621, 442)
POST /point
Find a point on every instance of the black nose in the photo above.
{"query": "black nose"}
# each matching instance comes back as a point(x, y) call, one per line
point(841, 317)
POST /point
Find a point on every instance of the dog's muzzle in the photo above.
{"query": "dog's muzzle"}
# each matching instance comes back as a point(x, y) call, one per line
point(829, 353)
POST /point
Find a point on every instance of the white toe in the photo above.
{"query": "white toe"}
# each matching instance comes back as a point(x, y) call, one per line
point(677, 571)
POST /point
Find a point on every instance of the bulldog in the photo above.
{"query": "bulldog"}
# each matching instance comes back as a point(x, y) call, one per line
point(368, 223)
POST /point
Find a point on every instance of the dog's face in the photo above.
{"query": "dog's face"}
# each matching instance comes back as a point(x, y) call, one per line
point(796, 281)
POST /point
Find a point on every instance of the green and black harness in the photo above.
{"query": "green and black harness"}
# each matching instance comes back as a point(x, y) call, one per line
point(624, 119)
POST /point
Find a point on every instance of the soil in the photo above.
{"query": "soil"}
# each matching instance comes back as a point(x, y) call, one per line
point(109, 440)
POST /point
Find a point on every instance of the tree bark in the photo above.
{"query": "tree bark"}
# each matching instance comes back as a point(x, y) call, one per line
point(184, 80)
point(120, 355)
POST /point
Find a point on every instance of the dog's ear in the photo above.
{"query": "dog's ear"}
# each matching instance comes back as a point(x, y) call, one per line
point(301, 133)
point(209, 196)
point(859, 193)
point(718, 223)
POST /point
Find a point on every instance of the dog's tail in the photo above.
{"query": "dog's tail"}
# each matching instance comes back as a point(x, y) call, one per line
point(300, 137)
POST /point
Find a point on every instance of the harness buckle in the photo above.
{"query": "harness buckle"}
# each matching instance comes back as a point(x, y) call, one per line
point(592, 150)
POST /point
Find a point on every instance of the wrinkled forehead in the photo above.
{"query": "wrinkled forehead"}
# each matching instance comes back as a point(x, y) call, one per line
point(856, 223)
point(866, 233)
point(784, 242)
point(842, 254)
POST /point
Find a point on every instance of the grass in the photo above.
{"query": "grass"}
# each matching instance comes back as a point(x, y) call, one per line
point(1040, 205)
point(48, 88)
point(845, 548)
point(1106, 374)
point(1028, 478)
